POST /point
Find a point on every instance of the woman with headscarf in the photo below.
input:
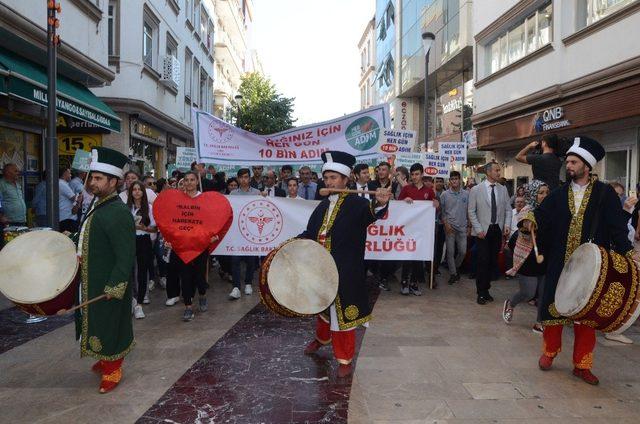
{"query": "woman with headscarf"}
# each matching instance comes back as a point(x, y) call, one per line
point(530, 272)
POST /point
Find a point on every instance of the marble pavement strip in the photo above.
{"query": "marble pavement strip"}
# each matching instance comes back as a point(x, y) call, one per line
point(257, 373)
point(14, 331)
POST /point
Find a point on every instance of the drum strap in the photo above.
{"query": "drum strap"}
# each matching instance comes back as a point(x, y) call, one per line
point(596, 218)
point(92, 209)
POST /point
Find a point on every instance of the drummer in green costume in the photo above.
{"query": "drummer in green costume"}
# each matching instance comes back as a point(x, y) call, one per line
point(106, 247)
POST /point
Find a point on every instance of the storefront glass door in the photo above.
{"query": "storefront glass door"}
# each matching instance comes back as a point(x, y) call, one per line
point(616, 167)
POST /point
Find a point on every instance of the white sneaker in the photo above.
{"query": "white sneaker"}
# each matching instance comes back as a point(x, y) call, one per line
point(146, 300)
point(138, 313)
point(620, 338)
point(134, 303)
point(163, 282)
point(248, 290)
point(150, 285)
point(172, 301)
point(235, 294)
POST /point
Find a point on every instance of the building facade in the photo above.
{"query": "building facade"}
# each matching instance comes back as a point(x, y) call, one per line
point(84, 120)
point(162, 54)
point(234, 56)
point(367, 48)
point(567, 67)
point(400, 78)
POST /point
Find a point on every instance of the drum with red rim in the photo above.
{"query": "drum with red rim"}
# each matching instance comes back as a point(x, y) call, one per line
point(39, 272)
point(299, 278)
point(599, 288)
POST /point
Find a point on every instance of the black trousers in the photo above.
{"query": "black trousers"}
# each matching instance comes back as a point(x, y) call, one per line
point(192, 276)
point(413, 271)
point(144, 260)
point(487, 262)
point(173, 275)
point(439, 240)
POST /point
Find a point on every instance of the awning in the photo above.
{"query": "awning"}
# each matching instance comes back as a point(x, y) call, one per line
point(27, 80)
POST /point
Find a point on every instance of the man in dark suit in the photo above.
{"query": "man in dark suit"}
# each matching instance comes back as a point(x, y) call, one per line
point(270, 187)
point(363, 180)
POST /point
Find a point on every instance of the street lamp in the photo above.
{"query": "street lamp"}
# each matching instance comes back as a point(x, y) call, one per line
point(427, 41)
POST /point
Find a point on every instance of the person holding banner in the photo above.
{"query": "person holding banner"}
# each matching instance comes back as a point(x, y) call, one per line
point(385, 268)
point(307, 188)
point(453, 204)
point(245, 189)
point(413, 271)
point(292, 188)
point(340, 224)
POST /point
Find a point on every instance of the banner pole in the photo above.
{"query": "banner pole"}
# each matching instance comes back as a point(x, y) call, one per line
point(431, 277)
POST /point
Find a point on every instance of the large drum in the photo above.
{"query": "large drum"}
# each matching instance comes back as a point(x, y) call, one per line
point(299, 278)
point(39, 272)
point(599, 289)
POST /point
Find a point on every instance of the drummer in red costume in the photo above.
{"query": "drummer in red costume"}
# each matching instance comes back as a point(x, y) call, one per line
point(340, 224)
point(581, 210)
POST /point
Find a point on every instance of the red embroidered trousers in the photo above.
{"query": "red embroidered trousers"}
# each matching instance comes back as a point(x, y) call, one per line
point(343, 342)
point(583, 345)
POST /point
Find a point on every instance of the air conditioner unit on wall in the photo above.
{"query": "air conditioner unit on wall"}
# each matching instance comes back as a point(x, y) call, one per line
point(170, 71)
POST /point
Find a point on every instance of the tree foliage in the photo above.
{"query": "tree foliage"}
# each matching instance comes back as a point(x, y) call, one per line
point(262, 110)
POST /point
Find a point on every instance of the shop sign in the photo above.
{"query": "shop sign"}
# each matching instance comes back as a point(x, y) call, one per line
point(69, 143)
point(27, 91)
point(70, 125)
point(146, 130)
point(551, 119)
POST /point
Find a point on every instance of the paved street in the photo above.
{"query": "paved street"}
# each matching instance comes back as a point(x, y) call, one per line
point(436, 358)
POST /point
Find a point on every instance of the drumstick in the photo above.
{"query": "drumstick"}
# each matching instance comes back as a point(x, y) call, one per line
point(539, 258)
point(82, 305)
point(326, 191)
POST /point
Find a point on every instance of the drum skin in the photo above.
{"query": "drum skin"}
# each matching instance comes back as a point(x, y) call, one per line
point(265, 294)
point(40, 272)
point(614, 304)
point(64, 300)
point(299, 278)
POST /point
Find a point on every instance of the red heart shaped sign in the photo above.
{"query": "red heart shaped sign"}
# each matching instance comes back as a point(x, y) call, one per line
point(189, 223)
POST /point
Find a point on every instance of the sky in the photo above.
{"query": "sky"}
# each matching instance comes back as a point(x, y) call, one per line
point(309, 50)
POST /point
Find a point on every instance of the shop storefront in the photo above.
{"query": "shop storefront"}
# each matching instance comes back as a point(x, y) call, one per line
point(82, 118)
point(611, 115)
point(147, 148)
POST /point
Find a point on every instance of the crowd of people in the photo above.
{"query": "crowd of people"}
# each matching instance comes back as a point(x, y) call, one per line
point(478, 228)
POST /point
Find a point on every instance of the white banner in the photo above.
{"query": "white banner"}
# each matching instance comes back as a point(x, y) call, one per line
point(358, 134)
point(434, 164)
point(455, 152)
point(262, 223)
point(397, 141)
point(185, 156)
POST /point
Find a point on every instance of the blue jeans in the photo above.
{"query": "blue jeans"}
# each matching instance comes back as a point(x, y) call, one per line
point(236, 261)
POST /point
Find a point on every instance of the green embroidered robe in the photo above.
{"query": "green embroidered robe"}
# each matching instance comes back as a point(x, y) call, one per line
point(108, 254)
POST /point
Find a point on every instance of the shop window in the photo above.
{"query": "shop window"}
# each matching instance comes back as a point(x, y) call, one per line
point(616, 166)
point(591, 11)
point(524, 37)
